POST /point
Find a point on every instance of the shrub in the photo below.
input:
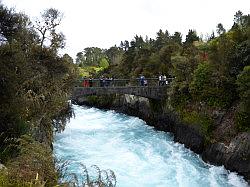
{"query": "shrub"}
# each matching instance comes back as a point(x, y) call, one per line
point(210, 86)
point(34, 158)
point(243, 116)
point(203, 122)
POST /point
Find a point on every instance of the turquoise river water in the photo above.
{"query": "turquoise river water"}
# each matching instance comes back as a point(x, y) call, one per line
point(138, 155)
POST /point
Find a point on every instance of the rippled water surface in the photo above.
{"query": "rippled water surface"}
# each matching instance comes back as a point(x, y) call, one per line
point(139, 155)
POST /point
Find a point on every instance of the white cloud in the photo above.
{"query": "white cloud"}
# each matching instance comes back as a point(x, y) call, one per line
point(105, 23)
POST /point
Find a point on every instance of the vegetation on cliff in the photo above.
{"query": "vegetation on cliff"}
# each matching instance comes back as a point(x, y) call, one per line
point(35, 84)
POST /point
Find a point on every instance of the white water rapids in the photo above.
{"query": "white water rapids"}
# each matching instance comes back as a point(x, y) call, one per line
point(138, 155)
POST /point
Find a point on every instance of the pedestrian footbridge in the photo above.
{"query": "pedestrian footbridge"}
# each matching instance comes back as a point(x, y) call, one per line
point(152, 89)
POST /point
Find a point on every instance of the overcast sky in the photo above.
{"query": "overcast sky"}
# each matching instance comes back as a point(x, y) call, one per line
point(104, 23)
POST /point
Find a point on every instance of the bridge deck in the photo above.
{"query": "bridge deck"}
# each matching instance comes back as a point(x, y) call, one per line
point(153, 92)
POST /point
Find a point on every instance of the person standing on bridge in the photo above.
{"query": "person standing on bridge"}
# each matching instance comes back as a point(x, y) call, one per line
point(142, 78)
point(85, 81)
point(160, 80)
point(90, 82)
point(164, 80)
point(101, 81)
point(145, 82)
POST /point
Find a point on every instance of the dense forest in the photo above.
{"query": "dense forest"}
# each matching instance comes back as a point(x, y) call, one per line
point(35, 85)
point(211, 75)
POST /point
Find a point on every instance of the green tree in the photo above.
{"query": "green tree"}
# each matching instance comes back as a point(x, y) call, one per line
point(104, 63)
point(191, 37)
point(114, 55)
point(220, 29)
point(238, 18)
point(35, 85)
point(46, 26)
point(177, 38)
point(243, 83)
point(161, 39)
point(79, 58)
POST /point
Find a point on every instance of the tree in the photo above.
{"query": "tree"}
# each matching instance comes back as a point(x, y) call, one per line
point(68, 58)
point(79, 58)
point(15, 26)
point(182, 68)
point(243, 83)
point(191, 37)
point(35, 85)
point(114, 55)
point(9, 23)
point(177, 38)
point(238, 18)
point(46, 26)
point(220, 29)
point(104, 63)
point(161, 39)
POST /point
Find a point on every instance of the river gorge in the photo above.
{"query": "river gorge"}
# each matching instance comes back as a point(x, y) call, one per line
point(138, 154)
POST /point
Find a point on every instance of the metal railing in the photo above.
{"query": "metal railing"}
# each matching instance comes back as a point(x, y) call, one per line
point(122, 82)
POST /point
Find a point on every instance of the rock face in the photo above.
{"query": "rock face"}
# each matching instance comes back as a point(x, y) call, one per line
point(235, 157)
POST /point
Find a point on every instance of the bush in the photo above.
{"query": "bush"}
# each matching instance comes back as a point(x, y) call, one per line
point(34, 158)
point(203, 122)
point(5, 181)
point(91, 177)
point(179, 95)
point(243, 116)
point(209, 86)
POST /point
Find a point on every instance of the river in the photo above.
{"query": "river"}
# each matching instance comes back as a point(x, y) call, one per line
point(138, 155)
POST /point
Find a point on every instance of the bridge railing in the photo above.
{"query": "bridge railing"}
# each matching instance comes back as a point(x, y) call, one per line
point(121, 82)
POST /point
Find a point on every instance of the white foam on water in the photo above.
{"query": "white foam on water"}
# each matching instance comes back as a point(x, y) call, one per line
point(139, 155)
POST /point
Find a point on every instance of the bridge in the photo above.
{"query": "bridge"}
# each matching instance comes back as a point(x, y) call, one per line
point(152, 89)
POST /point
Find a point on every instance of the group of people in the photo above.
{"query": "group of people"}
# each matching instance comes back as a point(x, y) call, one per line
point(105, 82)
point(87, 82)
point(163, 80)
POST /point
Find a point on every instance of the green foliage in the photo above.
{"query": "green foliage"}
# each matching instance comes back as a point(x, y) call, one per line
point(104, 63)
point(32, 167)
point(5, 181)
point(202, 77)
point(90, 56)
point(9, 137)
point(114, 55)
point(35, 86)
point(209, 86)
point(46, 27)
point(182, 69)
point(243, 83)
point(191, 37)
point(101, 178)
point(203, 122)
point(243, 121)
point(179, 95)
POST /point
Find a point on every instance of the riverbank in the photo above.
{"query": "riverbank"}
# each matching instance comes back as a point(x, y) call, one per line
point(233, 153)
